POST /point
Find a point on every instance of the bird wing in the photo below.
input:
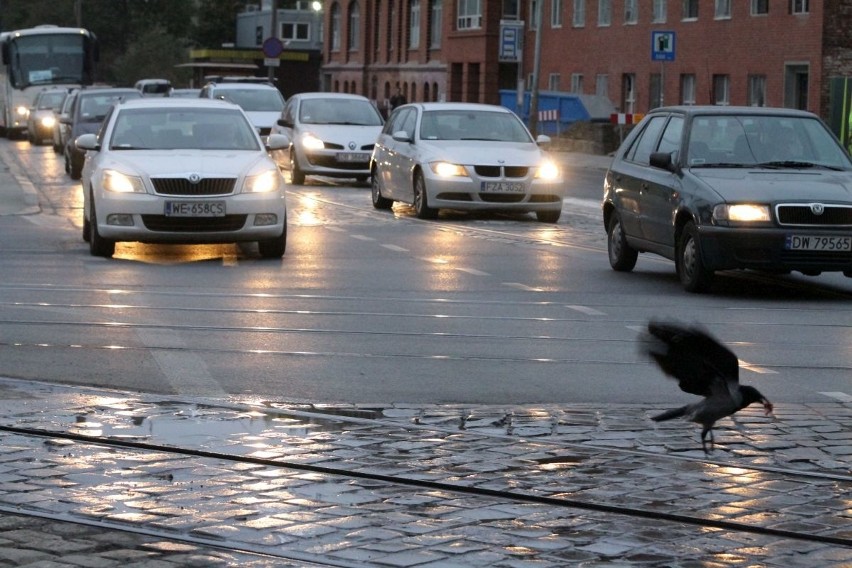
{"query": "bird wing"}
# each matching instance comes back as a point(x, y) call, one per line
point(701, 365)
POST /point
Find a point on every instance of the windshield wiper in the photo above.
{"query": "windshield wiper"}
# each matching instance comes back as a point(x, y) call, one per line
point(722, 165)
point(788, 164)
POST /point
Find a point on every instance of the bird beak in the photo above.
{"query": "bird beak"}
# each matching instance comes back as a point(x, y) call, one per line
point(767, 406)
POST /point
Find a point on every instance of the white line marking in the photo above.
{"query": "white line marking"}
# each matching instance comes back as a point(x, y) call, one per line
point(520, 286)
point(362, 237)
point(335, 229)
point(841, 396)
point(586, 310)
point(755, 369)
point(396, 248)
point(473, 271)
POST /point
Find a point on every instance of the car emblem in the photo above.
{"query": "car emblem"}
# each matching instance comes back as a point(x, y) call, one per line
point(194, 178)
point(817, 208)
point(501, 161)
point(352, 145)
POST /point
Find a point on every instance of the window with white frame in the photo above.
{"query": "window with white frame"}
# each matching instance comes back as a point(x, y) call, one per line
point(511, 9)
point(577, 83)
point(757, 90)
point(604, 12)
point(759, 7)
point(602, 85)
point(721, 90)
point(335, 27)
point(354, 26)
point(414, 24)
point(658, 11)
point(578, 19)
point(800, 6)
point(628, 92)
point(553, 82)
point(723, 10)
point(690, 9)
point(437, 15)
point(469, 15)
point(687, 89)
point(631, 11)
point(534, 14)
point(295, 31)
point(555, 13)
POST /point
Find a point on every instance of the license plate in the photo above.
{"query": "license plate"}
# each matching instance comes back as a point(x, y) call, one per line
point(195, 209)
point(502, 187)
point(353, 157)
point(817, 243)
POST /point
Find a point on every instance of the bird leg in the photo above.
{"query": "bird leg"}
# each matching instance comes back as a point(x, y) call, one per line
point(707, 430)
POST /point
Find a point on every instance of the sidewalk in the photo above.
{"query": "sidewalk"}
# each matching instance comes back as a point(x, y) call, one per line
point(17, 194)
point(376, 485)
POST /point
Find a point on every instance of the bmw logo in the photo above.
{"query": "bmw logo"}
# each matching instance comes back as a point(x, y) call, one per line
point(352, 145)
point(817, 208)
point(194, 178)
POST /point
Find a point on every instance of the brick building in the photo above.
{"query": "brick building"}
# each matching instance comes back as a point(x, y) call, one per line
point(762, 52)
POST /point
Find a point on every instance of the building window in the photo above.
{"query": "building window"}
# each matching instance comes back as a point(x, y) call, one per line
point(655, 92)
point(335, 27)
point(759, 7)
point(604, 12)
point(631, 12)
point(578, 20)
point(723, 10)
point(555, 13)
point(354, 26)
point(534, 14)
point(511, 10)
point(577, 83)
point(414, 25)
point(800, 6)
point(295, 31)
point(757, 90)
point(437, 15)
point(553, 82)
point(470, 15)
point(628, 92)
point(721, 90)
point(602, 85)
point(659, 15)
point(687, 89)
point(690, 9)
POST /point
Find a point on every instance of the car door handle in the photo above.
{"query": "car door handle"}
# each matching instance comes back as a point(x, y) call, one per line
point(644, 187)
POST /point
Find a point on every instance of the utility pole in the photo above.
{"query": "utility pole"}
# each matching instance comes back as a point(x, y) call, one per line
point(274, 33)
point(78, 12)
point(536, 70)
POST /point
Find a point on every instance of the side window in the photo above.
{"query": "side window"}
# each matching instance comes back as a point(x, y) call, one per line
point(671, 140)
point(402, 120)
point(647, 142)
point(289, 112)
point(408, 123)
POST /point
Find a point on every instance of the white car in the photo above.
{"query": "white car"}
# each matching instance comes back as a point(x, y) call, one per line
point(181, 171)
point(262, 101)
point(464, 156)
point(330, 134)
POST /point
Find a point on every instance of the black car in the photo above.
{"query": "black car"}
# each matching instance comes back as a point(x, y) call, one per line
point(718, 188)
point(85, 117)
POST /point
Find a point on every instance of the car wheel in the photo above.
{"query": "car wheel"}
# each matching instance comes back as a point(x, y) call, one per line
point(76, 169)
point(87, 228)
point(379, 202)
point(67, 162)
point(273, 248)
point(622, 257)
point(694, 276)
point(297, 176)
point(548, 216)
point(98, 246)
point(421, 201)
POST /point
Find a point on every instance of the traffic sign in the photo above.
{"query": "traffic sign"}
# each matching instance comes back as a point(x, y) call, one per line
point(662, 46)
point(272, 47)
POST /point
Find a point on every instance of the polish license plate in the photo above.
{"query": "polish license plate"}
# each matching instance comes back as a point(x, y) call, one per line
point(353, 157)
point(502, 187)
point(818, 243)
point(194, 209)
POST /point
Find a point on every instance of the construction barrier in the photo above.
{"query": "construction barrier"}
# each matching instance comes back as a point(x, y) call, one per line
point(626, 118)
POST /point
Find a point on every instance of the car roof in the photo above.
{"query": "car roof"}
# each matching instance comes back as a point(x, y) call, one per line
point(241, 86)
point(461, 106)
point(732, 110)
point(166, 102)
point(321, 95)
point(108, 91)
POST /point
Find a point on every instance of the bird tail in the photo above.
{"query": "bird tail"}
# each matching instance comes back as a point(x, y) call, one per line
point(669, 414)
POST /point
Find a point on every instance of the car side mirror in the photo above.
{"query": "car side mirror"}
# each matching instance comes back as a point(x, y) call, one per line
point(542, 140)
point(663, 160)
point(285, 123)
point(277, 142)
point(401, 136)
point(87, 142)
point(64, 119)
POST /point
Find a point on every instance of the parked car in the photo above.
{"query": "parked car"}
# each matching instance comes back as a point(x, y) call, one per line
point(85, 116)
point(718, 188)
point(464, 156)
point(261, 100)
point(330, 134)
point(153, 87)
point(181, 171)
point(43, 115)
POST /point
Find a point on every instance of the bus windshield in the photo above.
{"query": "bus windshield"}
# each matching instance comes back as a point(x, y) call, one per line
point(46, 59)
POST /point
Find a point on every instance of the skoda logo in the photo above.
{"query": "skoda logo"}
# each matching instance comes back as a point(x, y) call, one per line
point(194, 178)
point(817, 208)
point(352, 145)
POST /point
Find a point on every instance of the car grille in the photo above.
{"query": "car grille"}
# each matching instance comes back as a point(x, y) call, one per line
point(331, 162)
point(501, 171)
point(333, 146)
point(801, 214)
point(182, 186)
point(194, 224)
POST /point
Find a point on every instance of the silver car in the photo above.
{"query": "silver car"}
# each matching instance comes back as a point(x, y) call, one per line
point(330, 134)
point(464, 156)
point(181, 171)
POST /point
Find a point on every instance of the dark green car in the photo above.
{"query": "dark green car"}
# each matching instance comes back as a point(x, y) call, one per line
point(720, 188)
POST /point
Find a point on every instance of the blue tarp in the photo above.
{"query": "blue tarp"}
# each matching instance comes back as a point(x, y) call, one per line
point(571, 108)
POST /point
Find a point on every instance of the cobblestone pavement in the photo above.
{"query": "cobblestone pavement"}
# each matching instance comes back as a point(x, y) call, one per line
point(392, 485)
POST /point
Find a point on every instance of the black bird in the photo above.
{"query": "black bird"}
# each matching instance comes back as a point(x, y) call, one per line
point(704, 367)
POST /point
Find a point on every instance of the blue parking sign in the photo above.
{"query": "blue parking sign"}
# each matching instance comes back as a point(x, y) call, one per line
point(662, 46)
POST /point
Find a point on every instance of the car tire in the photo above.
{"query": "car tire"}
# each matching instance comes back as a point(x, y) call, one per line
point(274, 248)
point(99, 246)
point(693, 274)
point(87, 228)
point(548, 216)
point(421, 201)
point(76, 169)
point(379, 202)
point(622, 257)
point(297, 176)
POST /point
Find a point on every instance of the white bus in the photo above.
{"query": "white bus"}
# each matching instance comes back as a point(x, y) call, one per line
point(37, 58)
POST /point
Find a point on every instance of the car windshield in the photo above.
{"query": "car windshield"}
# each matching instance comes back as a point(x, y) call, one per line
point(339, 111)
point(254, 100)
point(763, 141)
point(94, 108)
point(472, 125)
point(182, 129)
point(51, 100)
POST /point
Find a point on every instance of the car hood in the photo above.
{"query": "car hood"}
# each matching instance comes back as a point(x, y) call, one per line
point(183, 163)
point(343, 134)
point(768, 186)
point(483, 153)
point(263, 119)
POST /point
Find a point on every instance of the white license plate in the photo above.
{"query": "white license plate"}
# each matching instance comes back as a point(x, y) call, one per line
point(194, 209)
point(502, 187)
point(353, 157)
point(817, 243)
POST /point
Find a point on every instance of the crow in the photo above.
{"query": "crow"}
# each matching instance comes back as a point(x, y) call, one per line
point(704, 367)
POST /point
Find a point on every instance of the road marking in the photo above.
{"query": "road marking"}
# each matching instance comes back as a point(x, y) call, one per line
point(473, 271)
point(520, 286)
point(335, 229)
point(396, 248)
point(186, 372)
point(362, 237)
point(841, 396)
point(586, 310)
point(755, 369)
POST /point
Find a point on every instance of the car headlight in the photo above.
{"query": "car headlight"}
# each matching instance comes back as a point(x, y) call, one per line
point(311, 142)
point(446, 169)
point(741, 213)
point(118, 182)
point(48, 121)
point(22, 110)
point(263, 183)
point(547, 171)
